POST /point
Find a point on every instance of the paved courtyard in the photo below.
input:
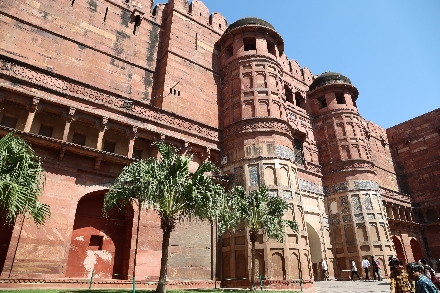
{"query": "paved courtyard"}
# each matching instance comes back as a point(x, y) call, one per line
point(350, 286)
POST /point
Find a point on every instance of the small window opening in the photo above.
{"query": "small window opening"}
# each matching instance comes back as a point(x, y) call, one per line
point(137, 22)
point(219, 25)
point(127, 1)
point(106, 12)
point(96, 242)
point(73, 1)
point(9, 121)
point(228, 51)
point(174, 91)
point(250, 44)
point(271, 48)
point(171, 90)
point(79, 138)
point(200, 14)
point(155, 10)
point(298, 151)
point(178, 93)
point(288, 93)
point(45, 130)
point(322, 103)
point(340, 99)
point(299, 100)
point(137, 154)
point(109, 146)
point(354, 103)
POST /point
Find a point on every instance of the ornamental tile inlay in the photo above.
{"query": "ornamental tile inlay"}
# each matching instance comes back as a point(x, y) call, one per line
point(283, 152)
point(344, 205)
point(367, 202)
point(346, 218)
point(336, 188)
point(310, 186)
point(359, 217)
point(371, 217)
point(287, 194)
point(335, 220)
point(325, 220)
point(365, 185)
point(253, 176)
point(380, 217)
point(356, 203)
point(273, 193)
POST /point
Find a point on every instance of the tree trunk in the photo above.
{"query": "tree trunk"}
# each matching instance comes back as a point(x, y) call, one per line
point(253, 235)
point(166, 228)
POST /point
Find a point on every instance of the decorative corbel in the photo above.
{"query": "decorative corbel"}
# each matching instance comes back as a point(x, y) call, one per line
point(61, 155)
point(34, 105)
point(98, 161)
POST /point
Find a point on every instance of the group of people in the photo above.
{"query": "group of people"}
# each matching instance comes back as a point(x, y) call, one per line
point(418, 277)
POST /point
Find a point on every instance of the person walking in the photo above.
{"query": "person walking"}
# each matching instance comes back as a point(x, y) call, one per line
point(365, 265)
point(354, 270)
point(324, 269)
point(376, 267)
point(399, 279)
point(415, 273)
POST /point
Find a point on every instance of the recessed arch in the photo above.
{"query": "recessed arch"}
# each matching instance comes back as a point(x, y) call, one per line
point(315, 249)
point(99, 244)
point(416, 249)
point(399, 248)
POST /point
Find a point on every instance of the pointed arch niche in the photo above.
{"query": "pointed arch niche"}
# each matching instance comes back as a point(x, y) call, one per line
point(99, 244)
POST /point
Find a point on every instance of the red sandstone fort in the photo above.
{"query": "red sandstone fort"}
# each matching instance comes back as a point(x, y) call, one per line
point(92, 83)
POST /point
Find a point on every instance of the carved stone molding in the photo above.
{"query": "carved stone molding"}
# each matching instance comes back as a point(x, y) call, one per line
point(256, 124)
point(348, 165)
point(64, 86)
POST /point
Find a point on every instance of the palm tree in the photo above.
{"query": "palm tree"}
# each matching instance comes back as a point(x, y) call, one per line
point(167, 186)
point(258, 211)
point(21, 181)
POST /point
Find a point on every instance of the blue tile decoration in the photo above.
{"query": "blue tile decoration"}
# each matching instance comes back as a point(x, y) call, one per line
point(287, 194)
point(239, 176)
point(371, 217)
point(336, 188)
point(283, 152)
point(367, 202)
point(359, 217)
point(298, 196)
point(380, 217)
point(335, 220)
point(346, 218)
point(310, 186)
point(273, 193)
point(325, 220)
point(365, 185)
point(253, 176)
point(356, 203)
point(344, 205)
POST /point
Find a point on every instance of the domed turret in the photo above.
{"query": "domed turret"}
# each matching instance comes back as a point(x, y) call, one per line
point(249, 21)
point(329, 78)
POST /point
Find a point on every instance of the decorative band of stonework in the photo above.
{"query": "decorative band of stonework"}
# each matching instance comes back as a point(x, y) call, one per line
point(357, 185)
point(256, 124)
point(310, 186)
point(78, 90)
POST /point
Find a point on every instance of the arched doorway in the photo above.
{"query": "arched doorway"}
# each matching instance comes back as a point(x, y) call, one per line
point(315, 251)
point(99, 244)
point(416, 249)
point(399, 249)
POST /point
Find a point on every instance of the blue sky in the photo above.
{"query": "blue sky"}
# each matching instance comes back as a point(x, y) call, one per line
point(390, 49)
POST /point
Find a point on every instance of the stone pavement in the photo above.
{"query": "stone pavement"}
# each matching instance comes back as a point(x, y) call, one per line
point(350, 286)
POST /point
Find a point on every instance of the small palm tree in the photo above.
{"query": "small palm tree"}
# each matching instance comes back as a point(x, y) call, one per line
point(21, 181)
point(258, 211)
point(168, 187)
